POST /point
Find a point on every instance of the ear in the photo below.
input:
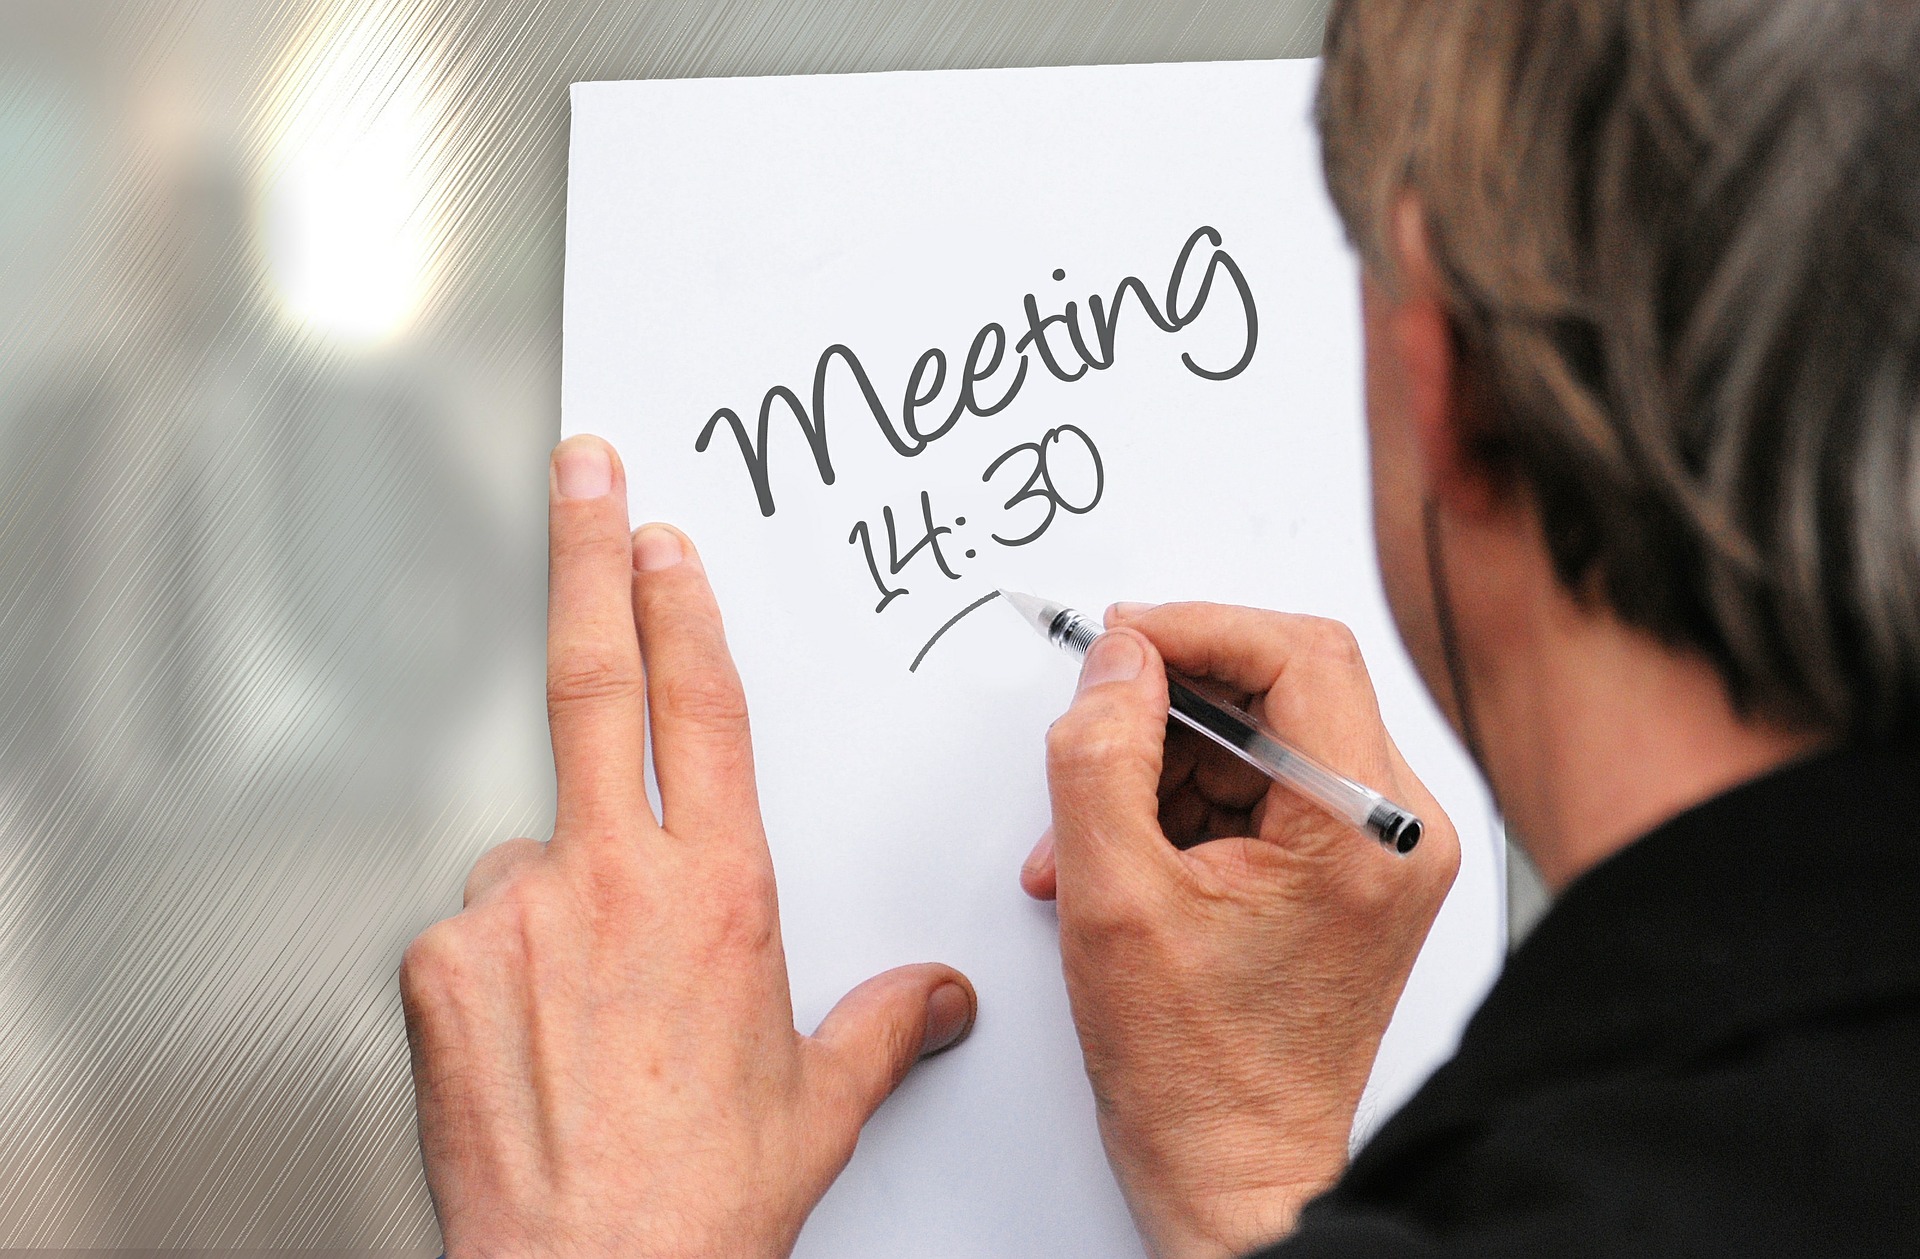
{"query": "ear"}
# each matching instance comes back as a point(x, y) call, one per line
point(1442, 398)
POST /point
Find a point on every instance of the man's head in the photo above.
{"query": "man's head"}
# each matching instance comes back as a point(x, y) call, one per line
point(1676, 247)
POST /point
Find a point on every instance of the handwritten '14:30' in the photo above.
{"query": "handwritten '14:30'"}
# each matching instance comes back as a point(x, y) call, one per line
point(1040, 489)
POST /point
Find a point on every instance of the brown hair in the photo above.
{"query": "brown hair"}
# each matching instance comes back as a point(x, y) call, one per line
point(1682, 238)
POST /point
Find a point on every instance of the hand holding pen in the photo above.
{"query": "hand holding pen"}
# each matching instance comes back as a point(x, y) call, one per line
point(1230, 995)
point(1217, 718)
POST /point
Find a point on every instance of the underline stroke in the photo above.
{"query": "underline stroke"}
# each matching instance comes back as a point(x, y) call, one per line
point(975, 606)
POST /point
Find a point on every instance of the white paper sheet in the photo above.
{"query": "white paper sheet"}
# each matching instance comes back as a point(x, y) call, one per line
point(722, 235)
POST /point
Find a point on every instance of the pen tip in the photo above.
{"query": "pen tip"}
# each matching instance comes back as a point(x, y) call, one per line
point(1034, 611)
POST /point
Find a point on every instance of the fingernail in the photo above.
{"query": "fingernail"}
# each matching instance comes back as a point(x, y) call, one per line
point(1042, 849)
point(949, 1015)
point(1127, 611)
point(1112, 658)
point(582, 468)
point(656, 547)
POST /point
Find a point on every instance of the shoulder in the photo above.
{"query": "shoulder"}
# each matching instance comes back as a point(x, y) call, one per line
point(1710, 1046)
point(1796, 1141)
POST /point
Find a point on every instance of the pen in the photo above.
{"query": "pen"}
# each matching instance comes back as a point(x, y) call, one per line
point(1239, 732)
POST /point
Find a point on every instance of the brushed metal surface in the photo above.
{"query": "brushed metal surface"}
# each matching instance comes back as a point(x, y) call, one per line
point(279, 348)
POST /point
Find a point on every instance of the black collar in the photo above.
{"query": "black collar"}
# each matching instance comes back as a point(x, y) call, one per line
point(1792, 894)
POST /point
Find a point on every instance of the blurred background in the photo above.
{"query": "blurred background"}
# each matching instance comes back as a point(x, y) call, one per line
point(279, 363)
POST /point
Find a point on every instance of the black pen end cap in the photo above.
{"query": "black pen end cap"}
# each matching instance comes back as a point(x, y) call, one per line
point(1397, 830)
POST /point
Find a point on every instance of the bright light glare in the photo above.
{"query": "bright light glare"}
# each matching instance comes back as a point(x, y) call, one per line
point(346, 254)
point(346, 215)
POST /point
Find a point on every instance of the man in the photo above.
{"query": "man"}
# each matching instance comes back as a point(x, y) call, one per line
point(1642, 304)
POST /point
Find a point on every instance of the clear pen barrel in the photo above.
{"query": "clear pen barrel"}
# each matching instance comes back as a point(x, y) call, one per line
point(1240, 733)
point(1338, 794)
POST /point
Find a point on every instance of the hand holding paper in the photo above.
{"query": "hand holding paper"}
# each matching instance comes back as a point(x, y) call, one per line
point(1230, 998)
point(604, 1048)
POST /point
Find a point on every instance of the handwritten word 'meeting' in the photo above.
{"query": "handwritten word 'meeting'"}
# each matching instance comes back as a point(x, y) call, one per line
point(984, 361)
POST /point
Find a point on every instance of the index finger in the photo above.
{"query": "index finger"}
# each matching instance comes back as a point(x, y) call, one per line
point(1247, 649)
point(595, 686)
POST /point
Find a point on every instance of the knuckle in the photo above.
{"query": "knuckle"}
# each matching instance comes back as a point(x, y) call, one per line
point(870, 1069)
point(1107, 923)
point(524, 890)
point(433, 964)
point(741, 926)
point(742, 909)
point(1392, 896)
point(590, 543)
point(501, 862)
point(1095, 746)
point(515, 933)
point(898, 1050)
point(1442, 866)
point(586, 674)
point(1069, 736)
point(702, 699)
point(1333, 641)
point(610, 882)
point(468, 962)
point(1371, 897)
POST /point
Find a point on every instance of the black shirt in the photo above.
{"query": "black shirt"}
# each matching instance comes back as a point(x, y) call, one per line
point(1709, 1046)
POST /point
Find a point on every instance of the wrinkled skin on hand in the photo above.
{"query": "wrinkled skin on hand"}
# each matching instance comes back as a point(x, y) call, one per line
point(1230, 997)
point(604, 1053)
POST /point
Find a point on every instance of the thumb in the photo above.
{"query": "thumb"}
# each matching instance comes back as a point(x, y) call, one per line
point(1104, 758)
point(880, 1029)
